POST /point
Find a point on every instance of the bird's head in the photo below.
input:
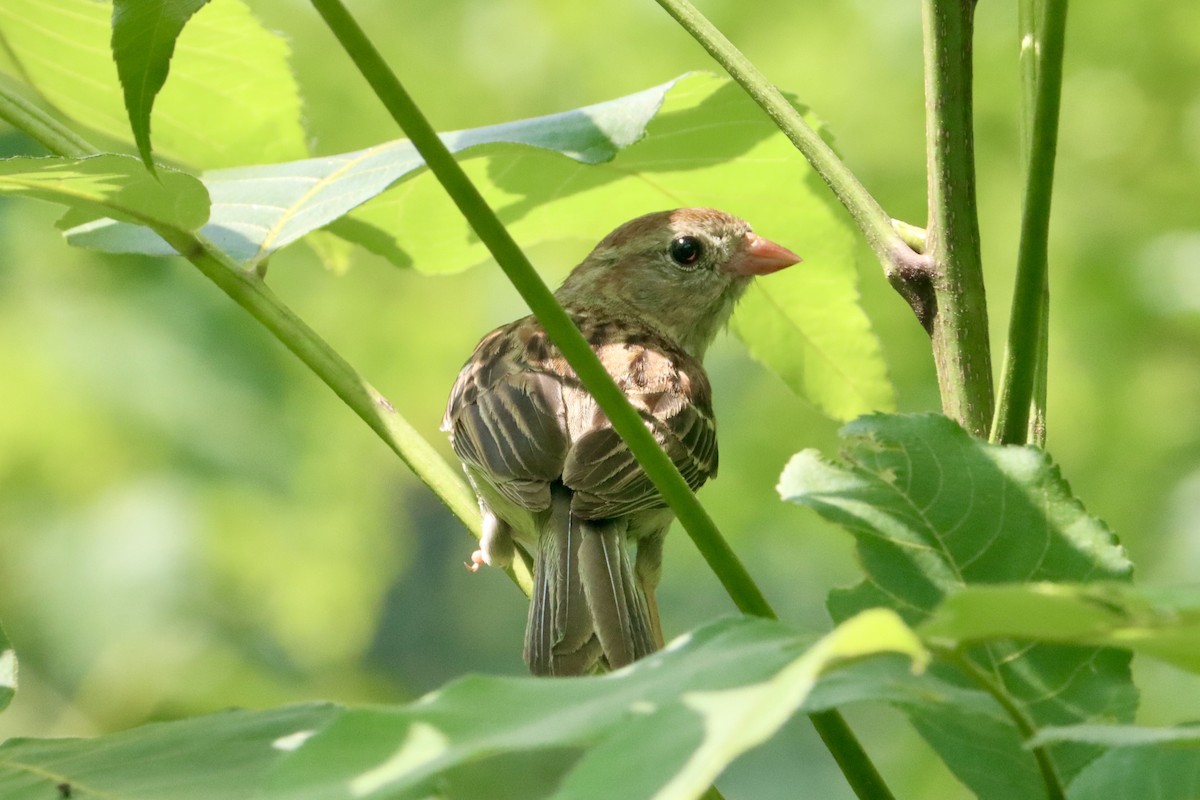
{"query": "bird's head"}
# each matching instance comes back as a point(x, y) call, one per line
point(678, 271)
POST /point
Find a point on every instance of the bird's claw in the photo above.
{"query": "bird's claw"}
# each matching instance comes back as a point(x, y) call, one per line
point(476, 561)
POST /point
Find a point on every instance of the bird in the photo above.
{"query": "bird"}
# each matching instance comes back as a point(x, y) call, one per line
point(649, 299)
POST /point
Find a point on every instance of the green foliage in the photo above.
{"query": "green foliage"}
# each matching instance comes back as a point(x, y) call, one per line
point(144, 35)
point(681, 716)
point(933, 510)
point(1012, 611)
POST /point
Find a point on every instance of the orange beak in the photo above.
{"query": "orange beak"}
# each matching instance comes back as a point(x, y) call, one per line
point(762, 256)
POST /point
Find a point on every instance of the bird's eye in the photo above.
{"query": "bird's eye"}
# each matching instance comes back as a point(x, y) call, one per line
point(686, 251)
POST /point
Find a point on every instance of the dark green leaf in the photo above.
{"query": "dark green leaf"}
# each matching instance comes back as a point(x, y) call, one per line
point(934, 510)
point(143, 40)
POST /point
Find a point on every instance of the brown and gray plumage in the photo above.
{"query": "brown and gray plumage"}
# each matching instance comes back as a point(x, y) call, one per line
point(649, 299)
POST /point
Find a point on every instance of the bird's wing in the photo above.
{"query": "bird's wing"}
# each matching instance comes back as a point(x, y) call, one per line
point(506, 418)
point(671, 391)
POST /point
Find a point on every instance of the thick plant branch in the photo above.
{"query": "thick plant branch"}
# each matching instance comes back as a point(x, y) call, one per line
point(248, 290)
point(1023, 381)
point(658, 466)
point(906, 269)
point(959, 330)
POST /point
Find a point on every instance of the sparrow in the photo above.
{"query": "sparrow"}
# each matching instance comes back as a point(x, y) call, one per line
point(536, 447)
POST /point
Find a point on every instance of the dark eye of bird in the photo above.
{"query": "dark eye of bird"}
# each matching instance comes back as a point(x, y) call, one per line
point(686, 251)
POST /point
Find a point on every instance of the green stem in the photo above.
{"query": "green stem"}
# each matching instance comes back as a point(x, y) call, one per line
point(1025, 356)
point(905, 269)
point(959, 330)
point(1025, 725)
point(41, 127)
point(248, 290)
point(657, 465)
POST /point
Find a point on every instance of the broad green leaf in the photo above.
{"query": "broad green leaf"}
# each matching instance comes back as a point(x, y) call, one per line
point(222, 755)
point(143, 39)
point(8, 670)
point(934, 510)
point(231, 100)
point(1165, 626)
point(681, 716)
point(109, 186)
point(574, 176)
point(257, 210)
point(1142, 764)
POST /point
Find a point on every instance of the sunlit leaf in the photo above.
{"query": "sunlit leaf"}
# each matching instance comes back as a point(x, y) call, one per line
point(934, 510)
point(231, 98)
point(143, 39)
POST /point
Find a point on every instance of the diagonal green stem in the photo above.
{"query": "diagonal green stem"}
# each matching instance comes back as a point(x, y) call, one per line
point(1023, 381)
point(657, 465)
point(960, 330)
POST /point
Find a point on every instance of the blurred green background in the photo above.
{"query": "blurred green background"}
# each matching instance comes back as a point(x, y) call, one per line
point(189, 520)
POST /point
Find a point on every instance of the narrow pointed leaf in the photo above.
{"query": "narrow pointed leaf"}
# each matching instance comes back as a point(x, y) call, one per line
point(143, 40)
point(224, 61)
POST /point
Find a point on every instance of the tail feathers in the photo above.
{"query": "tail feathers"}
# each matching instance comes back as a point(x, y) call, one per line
point(619, 612)
point(586, 603)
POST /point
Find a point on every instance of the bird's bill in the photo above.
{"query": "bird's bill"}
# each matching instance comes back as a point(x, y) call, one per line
point(762, 256)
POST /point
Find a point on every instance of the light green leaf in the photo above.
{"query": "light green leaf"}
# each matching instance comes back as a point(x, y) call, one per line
point(681, 716)
point(8, 670)
point(934, 510)
point(1164, 625)
point(143, 39)
point(574, 176)
point(222, 755)
point(109, 186)
point(1119, 735)
point(231, 99)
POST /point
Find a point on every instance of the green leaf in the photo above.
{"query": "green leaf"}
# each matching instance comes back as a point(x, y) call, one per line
point(8, 670)
point(1162, 624)
point(143, 39)
point(221, 755)
point(681, 716)
point(224, 59)
point(934, 510)
point(1144, 764)
point(109, 186)
point(574, 176)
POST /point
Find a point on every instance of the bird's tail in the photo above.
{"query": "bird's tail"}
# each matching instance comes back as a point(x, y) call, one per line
point(586, 603)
